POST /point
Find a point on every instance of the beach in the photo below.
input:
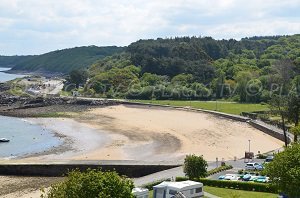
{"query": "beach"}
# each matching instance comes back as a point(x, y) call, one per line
point(129, 132)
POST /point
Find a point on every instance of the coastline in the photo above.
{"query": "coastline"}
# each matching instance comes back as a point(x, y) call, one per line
point(130, 132)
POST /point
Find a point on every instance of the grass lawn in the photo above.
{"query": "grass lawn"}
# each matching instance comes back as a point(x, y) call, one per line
point(226, 107)
point(230, 193)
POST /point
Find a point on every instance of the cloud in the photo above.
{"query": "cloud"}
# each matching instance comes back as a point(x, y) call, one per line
point(34, 27)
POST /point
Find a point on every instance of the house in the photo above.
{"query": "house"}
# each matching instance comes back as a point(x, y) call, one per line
point(140, 192)
point(184, 189)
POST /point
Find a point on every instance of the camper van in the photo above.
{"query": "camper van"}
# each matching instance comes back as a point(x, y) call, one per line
point(140, 192)
point(187, 189)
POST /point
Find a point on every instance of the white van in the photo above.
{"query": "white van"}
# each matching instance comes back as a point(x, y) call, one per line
point(189, 189)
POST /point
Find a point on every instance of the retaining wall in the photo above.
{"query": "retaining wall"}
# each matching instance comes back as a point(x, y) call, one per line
point(270, 130)
point(54, 170)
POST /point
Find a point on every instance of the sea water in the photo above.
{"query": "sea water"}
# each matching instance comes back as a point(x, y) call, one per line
point(25, 137)
point(6, 77)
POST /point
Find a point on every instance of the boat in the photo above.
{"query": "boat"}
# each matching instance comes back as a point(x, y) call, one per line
point(4, 140)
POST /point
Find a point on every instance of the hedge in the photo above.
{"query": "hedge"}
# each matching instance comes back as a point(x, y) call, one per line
point(248, 186)
point(149, 186)
point(219, 169)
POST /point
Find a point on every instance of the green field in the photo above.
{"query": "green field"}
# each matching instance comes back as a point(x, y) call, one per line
point(226, 107)
point(231, 193)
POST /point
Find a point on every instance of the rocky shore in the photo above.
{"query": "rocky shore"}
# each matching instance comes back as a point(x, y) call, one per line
point(17, 106)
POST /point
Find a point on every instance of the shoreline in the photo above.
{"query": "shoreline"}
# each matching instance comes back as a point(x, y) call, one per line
point(130, 132)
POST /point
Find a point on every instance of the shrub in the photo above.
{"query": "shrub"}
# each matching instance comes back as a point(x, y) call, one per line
point(149, 186)
point(248, 186)
point(219, 169)
point(92, 183)
point(195, 166)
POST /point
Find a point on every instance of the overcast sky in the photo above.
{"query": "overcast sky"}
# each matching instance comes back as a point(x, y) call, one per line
point(39, 26)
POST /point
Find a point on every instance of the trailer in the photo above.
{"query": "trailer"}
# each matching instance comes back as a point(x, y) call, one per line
point(184, 189)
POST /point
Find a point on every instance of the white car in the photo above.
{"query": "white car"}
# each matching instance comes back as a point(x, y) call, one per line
point(253, 166)
point(230, 177)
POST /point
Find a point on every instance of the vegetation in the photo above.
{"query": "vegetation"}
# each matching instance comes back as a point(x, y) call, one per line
point(11, 61)
point(233, 193)
point(225, 107)
point(238, 185)
point(60, 61)
point(218, 169)
point(284, 171)
point(192, 68)
point(195, 166)
point(92, 183)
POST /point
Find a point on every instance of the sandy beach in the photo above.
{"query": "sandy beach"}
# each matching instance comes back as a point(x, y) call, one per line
point(152, 134)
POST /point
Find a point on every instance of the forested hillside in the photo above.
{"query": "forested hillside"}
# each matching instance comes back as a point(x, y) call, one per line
point(64, 61)
point(11, 61)
point(248, 70)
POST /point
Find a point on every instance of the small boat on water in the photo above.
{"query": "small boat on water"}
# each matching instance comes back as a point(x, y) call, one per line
point(4, 140)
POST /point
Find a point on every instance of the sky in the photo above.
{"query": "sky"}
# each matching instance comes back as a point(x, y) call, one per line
point(40, 26)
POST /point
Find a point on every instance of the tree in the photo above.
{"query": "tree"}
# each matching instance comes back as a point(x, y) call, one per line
point(278, 105)
point(92, 183)
point(284, 171)
point(293, 109)
point(296, 131)
point(195, 166)
point(78, 77)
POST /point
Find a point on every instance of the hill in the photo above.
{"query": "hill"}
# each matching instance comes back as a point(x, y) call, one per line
point(11, 61)
point(200, 68)
point(63, 61)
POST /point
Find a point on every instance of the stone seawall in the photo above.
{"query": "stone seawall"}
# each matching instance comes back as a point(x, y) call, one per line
point(131, 170)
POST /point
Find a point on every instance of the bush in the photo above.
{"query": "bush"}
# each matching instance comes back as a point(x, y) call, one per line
point(195, 166)
point(219, 169)
point(92, 183)
point(248, 186)
point(261, 156)
point(150, 185)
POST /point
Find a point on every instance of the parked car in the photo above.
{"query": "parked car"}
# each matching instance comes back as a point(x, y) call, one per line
point(269, 159)
point(230, 177)
point(221, 177)
point(261, 179)
point(254, 166)
point(246, 177)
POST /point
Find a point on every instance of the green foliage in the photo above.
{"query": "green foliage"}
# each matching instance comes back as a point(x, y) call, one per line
point(284, 170)
point(149, 186)
point(195, 166)
point(11, 61)
point(78, 77)
point(92, 183)
point(248, 186)
point(218, 169)
point(64, 61)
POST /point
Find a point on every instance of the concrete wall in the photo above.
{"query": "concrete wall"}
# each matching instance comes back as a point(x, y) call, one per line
point(130, 170)
point(270, 130)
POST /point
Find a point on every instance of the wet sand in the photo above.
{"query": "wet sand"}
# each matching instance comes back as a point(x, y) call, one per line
point(153, 134)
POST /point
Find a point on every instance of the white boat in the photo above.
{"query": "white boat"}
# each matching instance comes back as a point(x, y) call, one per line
point(4, 140)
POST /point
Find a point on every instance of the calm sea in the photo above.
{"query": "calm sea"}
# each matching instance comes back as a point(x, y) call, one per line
point(6, 77)
point(25, 138)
